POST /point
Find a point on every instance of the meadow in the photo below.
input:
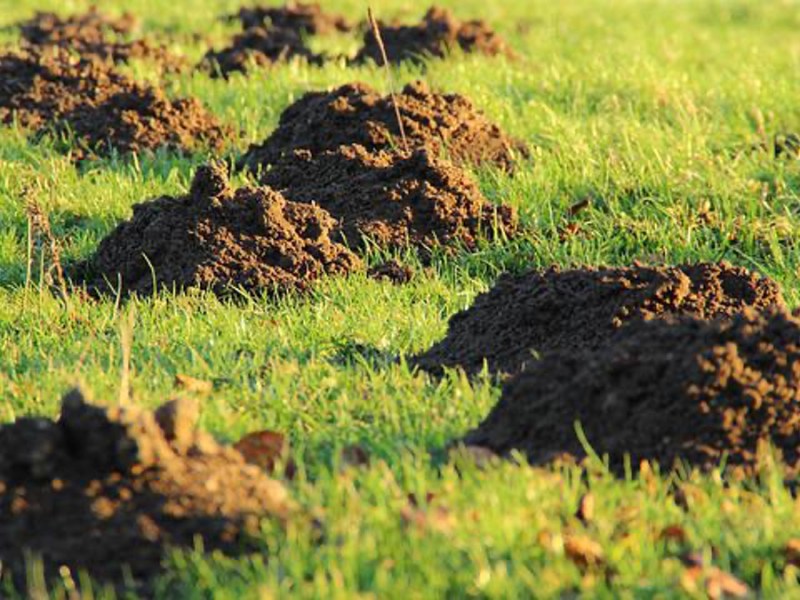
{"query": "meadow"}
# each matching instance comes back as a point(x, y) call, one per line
point(652, 110)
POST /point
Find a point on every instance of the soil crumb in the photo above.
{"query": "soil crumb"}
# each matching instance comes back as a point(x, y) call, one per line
point(216, 238)
point(106, 111)
point(303, 18)
point(437, 35)
point(662, 390)
point(391, 271)
point(109, 489)
point(357, 114)
point(392, 198)
point(95, 35)
point(553, 310)
point(259, 47)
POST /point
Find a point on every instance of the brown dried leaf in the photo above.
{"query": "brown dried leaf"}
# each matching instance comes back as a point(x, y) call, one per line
point(673, 533)
point(585, 512)
point(791, 552)
point(191, 384)
point(266, 449)
point(583, 551)
point(720, 584)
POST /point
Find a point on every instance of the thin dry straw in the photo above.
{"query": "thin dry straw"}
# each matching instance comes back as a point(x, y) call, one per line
point(377, 33)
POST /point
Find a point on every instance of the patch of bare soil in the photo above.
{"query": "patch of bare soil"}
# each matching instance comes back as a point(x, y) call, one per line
point(95, 35)
point(104, 109)
point(391, 271)
point(681, 388)
point(357, 114)
point(393, 198)
point(303, 18)
point(553, 310)
point(218, 238)
point(437, 35)
point(258, 46)
point(108, 490)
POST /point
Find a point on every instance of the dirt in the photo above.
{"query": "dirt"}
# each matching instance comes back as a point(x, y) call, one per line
point(105, 110)
point(95, 35)
point(257, 46)
point(572, 310)
point(681, 388)
point(216, 238)
point(306, 19)
point(437, 35)
point(391, 271)
point(357, 114)
point(108, 490)
point(392, 198)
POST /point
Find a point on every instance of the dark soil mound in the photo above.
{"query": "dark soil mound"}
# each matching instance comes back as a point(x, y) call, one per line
point(215, 238)
point(94, 35)
point(436, 36)
point(104, 109)
point(553, 310)
point(307, 19)
point(357, 114)
point(257, 46)
point(105, 488)
point(393, 198)
point(681, 388)
point(391, 271)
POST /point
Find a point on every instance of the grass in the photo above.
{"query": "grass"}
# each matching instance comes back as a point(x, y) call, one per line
point(639, 106)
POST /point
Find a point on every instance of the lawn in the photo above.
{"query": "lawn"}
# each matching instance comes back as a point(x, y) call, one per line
point(650, 109)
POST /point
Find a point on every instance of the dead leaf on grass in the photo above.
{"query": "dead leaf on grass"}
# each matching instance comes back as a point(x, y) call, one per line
point(266, 449)
point(191, 384)
point(583, 551)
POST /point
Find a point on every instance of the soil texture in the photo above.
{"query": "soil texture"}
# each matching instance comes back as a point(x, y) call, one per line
point(216, 238)
point(357, 114)
point(95, 35)
point(105, 111)
point(110, 489)
point(540, 312)
point(391, 271)
point(257, 46)
point(437, 35)
point(392, 198)
point(300, 17)
point(663, 390)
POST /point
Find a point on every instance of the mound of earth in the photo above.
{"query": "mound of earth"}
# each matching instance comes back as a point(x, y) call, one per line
point(303, 18)
point(436, 35)
point(260, 47)
point(216, 238)
point(107, 490)
point(105, 110)
point(94, 35)
point(357, 114)
point(393, 198)
point(553, 310)
point(663, 390)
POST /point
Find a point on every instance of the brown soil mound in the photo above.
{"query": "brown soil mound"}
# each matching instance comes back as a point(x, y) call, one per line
point(436, 36)
point(393, 198)
point(260, 47)
point(554, 310)
point(357, 114)
point(216, 238)
point(94, 35)
point(308, 19)
point(662, 390)
point(104, 109)
point(104, 488)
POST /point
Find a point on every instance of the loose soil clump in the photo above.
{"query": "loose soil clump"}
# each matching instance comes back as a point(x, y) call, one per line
point(357, 114)
point(102, 108)
point(664, 390)
point(258, 46)
point(437, 35)
point(216, 238)
point(94, 35)
point(300, 17)
point(392, 198)
point(110, 489)
point(553, 310)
